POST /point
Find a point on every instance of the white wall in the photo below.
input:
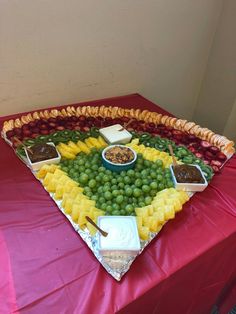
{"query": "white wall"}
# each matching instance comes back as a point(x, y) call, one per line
point(58, 52)
point(218, 91)
point(230, 126)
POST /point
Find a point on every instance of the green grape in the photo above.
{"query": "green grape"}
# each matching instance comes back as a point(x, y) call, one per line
point(119, 199)
point(115, 206)
point(153, 185)
point(113, 181)
point(137, 192)
point(153, 175)
point(131, 173)
point(141, 204)
point(107, 195)
point(153, 192)
point(94, 197)
point(138, 182)
point(129, 209)
point(109, 209)
point(128, 191)
point(145, 188)
point(160, 177)
point(92, 183)
point(159, 163)
point(115, 213)
point(161, 186)
point(127, 180)
point(148, 200)
point(105, 178)
point(101, 200)
point(122, 212)
point(144, 173)
point(121, 185)
point(115, 193)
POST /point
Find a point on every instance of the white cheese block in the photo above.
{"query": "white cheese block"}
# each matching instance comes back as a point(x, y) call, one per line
point(113, 136)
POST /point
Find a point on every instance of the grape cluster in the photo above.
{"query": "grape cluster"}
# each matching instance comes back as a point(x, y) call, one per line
point(118, 193)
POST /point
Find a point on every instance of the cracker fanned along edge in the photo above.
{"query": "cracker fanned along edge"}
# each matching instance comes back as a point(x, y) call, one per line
point(225, 145)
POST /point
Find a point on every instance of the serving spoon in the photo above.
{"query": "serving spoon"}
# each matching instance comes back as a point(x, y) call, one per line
point(104, 233)
point(126, 124)
point(21, 143)
point(172, 155)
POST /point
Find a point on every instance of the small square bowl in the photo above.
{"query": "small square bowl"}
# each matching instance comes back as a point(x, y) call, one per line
point(189, 187)
point(113, 136)
point(37, 165)
point(122, 236)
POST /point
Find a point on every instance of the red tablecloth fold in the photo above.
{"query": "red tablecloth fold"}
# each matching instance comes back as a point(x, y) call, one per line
point(47, 268)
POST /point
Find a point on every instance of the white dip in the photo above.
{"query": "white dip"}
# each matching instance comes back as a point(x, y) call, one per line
point(122, 233)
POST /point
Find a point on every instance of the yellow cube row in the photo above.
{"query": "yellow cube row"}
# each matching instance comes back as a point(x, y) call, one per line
point(71, 149)
point(74, 202)
point(164, 206)
point(151, 153)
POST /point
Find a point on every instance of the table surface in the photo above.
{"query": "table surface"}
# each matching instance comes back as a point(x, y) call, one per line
point(47, 268)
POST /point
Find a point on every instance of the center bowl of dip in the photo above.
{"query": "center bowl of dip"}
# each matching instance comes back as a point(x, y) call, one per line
point(118, 158)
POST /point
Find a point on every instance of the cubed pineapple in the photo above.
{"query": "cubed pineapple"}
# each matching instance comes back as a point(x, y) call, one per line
point(68, 205)
point(153, 224)
point(75, 191)
point(59, 192)
point(159, 216)
point(169, 212)
point(84, 148)
point(74, 147)
point(82, 220)
point(95, 142)
point(92, 230)
point(76, 209)
point(51, 186)
point(139, 221)
point(102, 142)
point(58, 173)
point(67, 154)
point(43, 171)
point(143, 233)
point(48, 178)
point(142, 211)
point(69, 186)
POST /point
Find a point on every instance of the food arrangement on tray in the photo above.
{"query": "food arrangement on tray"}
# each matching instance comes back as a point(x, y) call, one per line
point(77, 155)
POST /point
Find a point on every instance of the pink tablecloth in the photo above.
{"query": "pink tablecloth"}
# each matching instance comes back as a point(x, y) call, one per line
point(46, 268)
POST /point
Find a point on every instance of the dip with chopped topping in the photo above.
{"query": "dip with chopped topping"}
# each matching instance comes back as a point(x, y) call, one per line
point(119, 155)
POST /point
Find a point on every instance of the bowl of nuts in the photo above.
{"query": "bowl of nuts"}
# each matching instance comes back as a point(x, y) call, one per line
point(118, 158)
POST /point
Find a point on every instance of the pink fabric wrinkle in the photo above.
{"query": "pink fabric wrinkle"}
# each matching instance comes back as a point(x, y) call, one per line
point(57, 289)
point(8, 302)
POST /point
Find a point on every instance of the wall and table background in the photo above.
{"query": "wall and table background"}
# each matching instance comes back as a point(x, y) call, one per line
point(180, 54)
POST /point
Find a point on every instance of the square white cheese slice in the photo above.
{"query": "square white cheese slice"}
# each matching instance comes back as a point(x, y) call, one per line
point(113, 136)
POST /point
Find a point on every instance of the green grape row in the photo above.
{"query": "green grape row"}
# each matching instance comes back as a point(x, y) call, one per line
point(118, 193)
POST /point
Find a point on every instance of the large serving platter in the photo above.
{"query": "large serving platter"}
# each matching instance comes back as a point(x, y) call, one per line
point(152, 133)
